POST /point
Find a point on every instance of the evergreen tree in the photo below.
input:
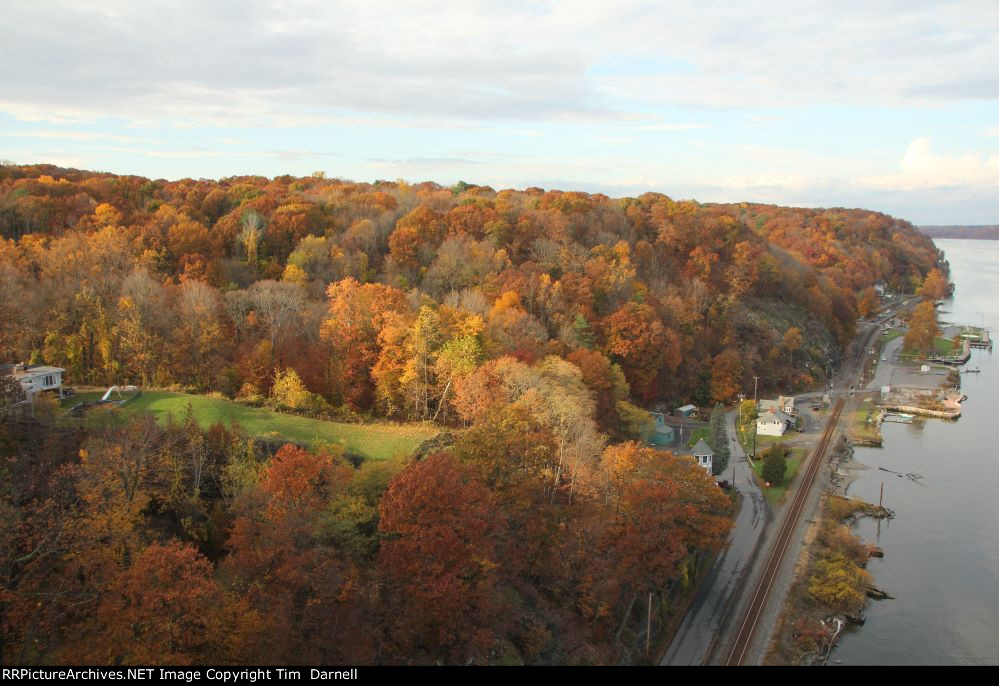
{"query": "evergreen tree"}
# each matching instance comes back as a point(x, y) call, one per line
point(775, 464)
point(583, 331)
point(718, 439)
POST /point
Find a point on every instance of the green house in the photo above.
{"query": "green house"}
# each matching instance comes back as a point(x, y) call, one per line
point(662, 433)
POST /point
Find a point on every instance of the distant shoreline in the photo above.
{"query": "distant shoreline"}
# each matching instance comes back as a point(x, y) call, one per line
point(982, 232)
point(964, 238)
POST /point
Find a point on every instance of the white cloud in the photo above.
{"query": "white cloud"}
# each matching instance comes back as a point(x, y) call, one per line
point(79, 136)
point(787, 182)
point(287, 63)
point(920, 168)
point(670, 127)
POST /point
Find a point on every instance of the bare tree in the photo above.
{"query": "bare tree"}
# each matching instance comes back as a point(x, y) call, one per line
point(198, 310)
point(237, 305)
point(277, 305)
point(11, 393)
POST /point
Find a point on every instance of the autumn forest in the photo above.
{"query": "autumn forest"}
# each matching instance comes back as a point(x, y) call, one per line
point(532, 330)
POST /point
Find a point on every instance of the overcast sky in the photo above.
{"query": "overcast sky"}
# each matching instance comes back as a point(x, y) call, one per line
point(892, 106)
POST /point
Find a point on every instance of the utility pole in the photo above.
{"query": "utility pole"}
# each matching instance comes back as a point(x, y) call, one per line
point(756, 408)
point(648, 625)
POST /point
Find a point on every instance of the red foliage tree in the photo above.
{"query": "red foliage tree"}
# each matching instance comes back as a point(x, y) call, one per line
point(439, 562)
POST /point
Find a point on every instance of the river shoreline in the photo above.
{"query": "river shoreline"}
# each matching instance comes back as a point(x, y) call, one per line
point(941, 550)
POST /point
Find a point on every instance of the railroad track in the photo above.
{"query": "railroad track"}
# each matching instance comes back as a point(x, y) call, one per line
point(762, 591)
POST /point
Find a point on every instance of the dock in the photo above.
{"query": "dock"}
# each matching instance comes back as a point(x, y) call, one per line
point(977, 337)
point(985, 341)
point(907, 409)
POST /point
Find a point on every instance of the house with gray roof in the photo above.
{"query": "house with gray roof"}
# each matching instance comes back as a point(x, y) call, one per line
point(703, 454)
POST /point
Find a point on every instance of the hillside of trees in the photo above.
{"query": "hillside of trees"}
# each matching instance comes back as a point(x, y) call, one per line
point(535, 328)
point(379, 295)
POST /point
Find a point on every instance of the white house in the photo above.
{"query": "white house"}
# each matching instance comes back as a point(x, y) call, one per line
point(703, 454)
point(36, 378)
point(773, 423)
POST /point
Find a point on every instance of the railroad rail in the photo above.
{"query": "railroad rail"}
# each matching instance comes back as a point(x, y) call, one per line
point(762, 591)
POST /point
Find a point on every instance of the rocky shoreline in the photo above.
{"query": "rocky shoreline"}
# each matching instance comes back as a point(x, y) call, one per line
point(811, 626)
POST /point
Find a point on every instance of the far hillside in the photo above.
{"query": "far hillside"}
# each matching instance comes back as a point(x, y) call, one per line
point(981, 232)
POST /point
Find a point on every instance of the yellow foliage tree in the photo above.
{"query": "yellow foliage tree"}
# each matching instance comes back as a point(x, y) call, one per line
point(839, 584)
point(923, 328)
point(289, 390)
point(935, 285)
point(106, 215)
point(295, 274)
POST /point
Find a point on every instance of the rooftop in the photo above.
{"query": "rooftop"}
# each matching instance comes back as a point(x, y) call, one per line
point(19, 371)
point(702, 448)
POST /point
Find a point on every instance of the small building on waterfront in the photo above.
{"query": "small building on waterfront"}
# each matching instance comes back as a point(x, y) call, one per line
point(703, 454)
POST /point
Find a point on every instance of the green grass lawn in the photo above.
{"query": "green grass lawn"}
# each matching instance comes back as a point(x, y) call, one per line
point(698, 435)
point(942, 347)
point(945, 346)
point(370, 441)
point(859, 428)
point(745, 436)
point(775, 494)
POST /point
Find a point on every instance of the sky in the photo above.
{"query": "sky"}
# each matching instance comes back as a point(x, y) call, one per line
point(891, 106)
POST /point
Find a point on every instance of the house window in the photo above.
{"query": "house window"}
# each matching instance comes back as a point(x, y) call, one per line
point(48, 380)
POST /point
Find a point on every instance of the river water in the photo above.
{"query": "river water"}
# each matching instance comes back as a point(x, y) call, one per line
point(942, 549)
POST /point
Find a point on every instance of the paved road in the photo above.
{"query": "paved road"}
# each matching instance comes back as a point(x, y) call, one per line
point(694, 639)
point(882, 373)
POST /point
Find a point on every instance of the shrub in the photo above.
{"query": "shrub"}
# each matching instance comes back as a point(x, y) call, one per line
point(775, 464)
point(839, 584)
